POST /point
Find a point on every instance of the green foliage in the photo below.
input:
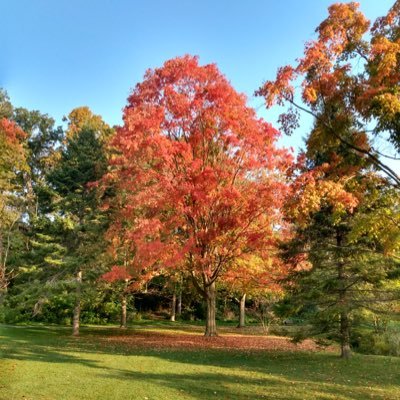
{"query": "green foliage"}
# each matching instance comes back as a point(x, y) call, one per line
point(351, 277)
point(386, 343)
point(6, 108)
point(62, 226)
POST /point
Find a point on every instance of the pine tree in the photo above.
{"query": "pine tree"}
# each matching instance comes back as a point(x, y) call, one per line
point(82, 163)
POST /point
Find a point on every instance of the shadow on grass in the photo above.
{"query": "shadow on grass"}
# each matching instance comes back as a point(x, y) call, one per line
point(46, 344)
point(231, 385)
point(218, 373)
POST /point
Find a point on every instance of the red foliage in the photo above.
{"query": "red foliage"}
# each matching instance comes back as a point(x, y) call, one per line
point(197, 173)
point(117, 273)
point(12, 131)
point(12, 152)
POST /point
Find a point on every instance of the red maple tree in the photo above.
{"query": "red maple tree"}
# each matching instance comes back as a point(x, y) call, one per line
point(198, 173)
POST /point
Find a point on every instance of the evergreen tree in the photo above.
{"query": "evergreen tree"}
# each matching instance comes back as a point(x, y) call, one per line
point(76, 202)
point(342, 262)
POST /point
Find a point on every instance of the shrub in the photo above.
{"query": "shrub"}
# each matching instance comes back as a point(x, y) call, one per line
point(387, 343)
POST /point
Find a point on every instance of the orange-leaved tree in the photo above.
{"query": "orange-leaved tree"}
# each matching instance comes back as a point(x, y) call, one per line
point(348, 79)
point(198, 173)
point(259, 277)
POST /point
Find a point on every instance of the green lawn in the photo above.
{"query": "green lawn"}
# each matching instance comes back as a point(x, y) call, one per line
point(47, 363)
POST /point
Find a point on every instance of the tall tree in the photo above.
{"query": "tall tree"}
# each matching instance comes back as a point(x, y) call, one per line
point(39, 143)
point(82, 162)
point(341, 265)
point(199, 174)
point(339, 268)
point(346, 78)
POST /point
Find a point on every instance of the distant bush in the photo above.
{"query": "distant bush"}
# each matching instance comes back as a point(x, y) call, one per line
point(387, 343)
point(93, 318)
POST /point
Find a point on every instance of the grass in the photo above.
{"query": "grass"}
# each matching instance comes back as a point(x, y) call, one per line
point(46, 363)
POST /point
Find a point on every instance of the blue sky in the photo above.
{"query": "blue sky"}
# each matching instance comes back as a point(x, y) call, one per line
point(60, 54)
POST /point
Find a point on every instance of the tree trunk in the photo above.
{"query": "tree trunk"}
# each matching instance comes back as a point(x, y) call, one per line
point(242, 311)
point(123, 306)
point(179, 305)
point(345, 351)
point(3, 280)
point(4, 250)
point(344, 336)
point(77, 309)
point(173, 307)
point(210, 296)
point(123, 311)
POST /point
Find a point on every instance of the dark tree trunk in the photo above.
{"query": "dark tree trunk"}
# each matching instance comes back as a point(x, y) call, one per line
point(173, 307)
point(77, 309)
point(210, 297)
point(242, 311)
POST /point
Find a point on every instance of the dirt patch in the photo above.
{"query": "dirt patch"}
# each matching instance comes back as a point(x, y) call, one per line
point(158, 340)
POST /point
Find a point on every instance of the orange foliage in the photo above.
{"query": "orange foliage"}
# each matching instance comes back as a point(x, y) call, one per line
point(318, 188)
point(367, 87)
